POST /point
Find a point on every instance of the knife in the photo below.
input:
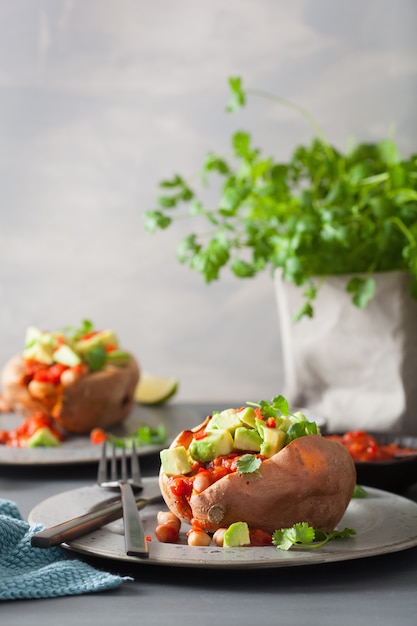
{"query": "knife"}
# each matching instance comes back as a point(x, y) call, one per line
point(83, 524)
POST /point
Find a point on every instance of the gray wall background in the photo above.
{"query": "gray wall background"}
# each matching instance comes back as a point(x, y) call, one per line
point(101, 99)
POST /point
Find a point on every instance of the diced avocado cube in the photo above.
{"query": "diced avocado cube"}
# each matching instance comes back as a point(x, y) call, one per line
point(32, 334)
point(43, 437)
point(266, 449)
point(214, 444)
point(66, 356)
point(226, 420)
point(175, 461)
point(247, 439)
point(248, 417)
point(260, 425)
point(298, 416)
point(39, 352)
point(274, 441)
point(236, 535)
point(283, 423)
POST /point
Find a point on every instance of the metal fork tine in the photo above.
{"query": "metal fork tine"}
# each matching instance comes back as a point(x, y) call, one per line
point(135, 467)
point(113, 466)
point(102, 466)
point(135, 540)
point(124, 464)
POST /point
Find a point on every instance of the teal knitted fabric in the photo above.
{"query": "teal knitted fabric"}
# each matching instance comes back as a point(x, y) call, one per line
point(28, 572)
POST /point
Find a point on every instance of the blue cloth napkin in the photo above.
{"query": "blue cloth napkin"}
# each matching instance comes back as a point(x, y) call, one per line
point(29, 572)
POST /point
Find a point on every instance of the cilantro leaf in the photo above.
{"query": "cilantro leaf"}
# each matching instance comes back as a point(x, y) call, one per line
point(248, 464)
point(359, 492)
point(145, 435)
point(96, 358)
point(277, 407)
point(74, 334)
point(363, 290)
point(302, 534)
point(301, 429)
point(237, 95)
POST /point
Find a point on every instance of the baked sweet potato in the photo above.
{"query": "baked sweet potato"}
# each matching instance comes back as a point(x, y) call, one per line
point(77, 376)
point(311, 479)
point(93, 399)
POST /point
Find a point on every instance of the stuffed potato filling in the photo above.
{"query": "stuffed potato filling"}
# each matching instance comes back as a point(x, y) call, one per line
point(230, 441)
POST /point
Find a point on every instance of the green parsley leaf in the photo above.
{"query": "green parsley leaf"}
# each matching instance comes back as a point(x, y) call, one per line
point(248, 464)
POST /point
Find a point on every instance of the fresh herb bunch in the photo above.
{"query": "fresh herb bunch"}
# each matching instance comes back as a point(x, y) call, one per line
point(321, 213)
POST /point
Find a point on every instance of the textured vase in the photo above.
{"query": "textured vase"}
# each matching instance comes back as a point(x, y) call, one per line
point(356, 368)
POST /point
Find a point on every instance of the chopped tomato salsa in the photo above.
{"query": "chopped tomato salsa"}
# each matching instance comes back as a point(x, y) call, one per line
point(34, 370)
point(182, 486)
point(98, 436)
point(363, 446)
point(19, 437)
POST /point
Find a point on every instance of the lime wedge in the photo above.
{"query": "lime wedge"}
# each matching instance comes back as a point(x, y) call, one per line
point(155, 389)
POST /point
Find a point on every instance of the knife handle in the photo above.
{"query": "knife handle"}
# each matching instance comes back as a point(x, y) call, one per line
point(76, 527)
point(83, 524)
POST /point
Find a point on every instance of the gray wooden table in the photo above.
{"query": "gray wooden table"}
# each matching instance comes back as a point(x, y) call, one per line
point(379, 590)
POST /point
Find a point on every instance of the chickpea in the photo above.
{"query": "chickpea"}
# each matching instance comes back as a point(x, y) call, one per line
point(41, 390)
point(198, 538)
point(166, 533)
point(69, 377)
point(201, 482)
point(218, 537)
point(167, 517)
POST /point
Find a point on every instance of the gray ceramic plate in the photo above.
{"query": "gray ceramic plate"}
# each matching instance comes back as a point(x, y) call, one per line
point(384, 523)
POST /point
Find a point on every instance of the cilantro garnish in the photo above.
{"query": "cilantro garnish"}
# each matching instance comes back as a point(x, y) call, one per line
point(302, 534)
point(278, 406)
point(145, 435)
point(96, 358)
point(300, 429)
point(74, 334)
point(248, 464)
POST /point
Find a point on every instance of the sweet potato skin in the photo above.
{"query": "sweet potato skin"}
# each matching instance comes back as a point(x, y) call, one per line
point(307, 481)
point(96, 399)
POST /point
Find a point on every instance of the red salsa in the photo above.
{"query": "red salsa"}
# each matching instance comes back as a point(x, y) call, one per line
point(363, 446)
point(19, 437)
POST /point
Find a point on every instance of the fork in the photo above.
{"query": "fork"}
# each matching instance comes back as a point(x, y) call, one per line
point(135, 539)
